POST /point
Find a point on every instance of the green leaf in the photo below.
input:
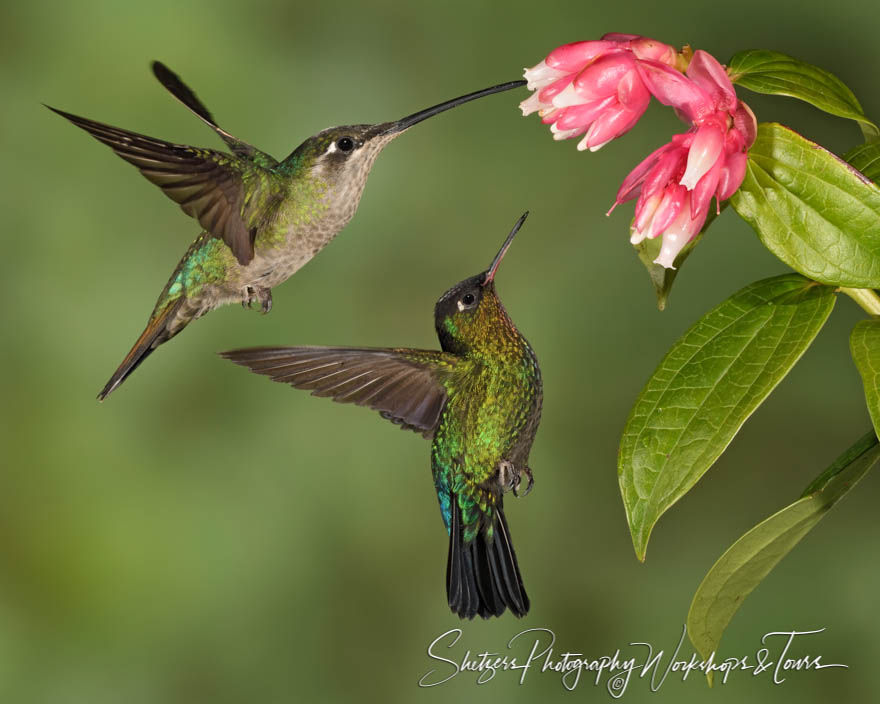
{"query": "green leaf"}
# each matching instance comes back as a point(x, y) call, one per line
point(706, 387)
point(811, 209)
point(864, 343)
point(749, 560)
point(866, 158)
point(661, 277)
point(773, 73)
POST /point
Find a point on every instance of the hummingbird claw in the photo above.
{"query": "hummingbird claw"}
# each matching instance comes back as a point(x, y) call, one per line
point(257, 294)
point(510, 478)
point(528, 473)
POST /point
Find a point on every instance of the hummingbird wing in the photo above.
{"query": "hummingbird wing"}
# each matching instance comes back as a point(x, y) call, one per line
point(404, 385)
point(229, 195)
point(174, 85)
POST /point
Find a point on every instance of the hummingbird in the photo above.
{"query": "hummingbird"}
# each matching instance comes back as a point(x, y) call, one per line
point(261, 219)
point(479, 400)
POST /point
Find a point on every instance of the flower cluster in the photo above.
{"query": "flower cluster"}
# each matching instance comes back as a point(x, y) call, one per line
point(600, 89)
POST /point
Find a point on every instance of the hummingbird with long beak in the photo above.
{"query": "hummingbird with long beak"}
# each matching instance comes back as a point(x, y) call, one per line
point(479, 400)
point(262, 219)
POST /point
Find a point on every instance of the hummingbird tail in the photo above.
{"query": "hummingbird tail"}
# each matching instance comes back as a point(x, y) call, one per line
point(156, 332)
point(482, 575)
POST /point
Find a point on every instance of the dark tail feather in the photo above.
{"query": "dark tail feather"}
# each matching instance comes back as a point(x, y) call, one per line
point(154, 335)
point(174, 85)
point(482, 576)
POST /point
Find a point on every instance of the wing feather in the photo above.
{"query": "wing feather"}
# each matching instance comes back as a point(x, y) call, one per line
point(405, 386)
point(208, 185)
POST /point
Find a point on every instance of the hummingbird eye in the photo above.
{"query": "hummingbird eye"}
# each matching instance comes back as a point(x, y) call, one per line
point(345, 144)
point(466, 301)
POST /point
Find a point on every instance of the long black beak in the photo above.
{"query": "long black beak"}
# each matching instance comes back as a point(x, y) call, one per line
point(490, 274)
point(407, 122)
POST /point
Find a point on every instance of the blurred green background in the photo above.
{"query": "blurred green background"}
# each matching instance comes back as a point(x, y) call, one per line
point(206, 536)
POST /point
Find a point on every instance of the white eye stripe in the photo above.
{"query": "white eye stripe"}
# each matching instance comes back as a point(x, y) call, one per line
point(332, 148)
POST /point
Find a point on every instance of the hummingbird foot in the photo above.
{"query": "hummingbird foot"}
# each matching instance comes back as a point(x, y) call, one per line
point(510, 478)
point(507, 476)
point(257, 294)
point(528, 473)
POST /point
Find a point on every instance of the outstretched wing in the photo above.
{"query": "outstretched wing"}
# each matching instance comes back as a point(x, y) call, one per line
point(404, 385)
point(175, 85)
point(229, 195)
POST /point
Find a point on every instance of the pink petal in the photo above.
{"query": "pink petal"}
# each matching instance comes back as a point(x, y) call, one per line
point(704, 152)
point(611, 124)
point(674, 199)
point(617, 37)
point(645, 209)
point(582, 115)
point(637, 175)
point(645, 48)
point(549, 114)
point(745, 123)
point(667, 170)
point(673, 88)
point(573, 57)
point(601, 78)
point(547, 94)
point(734, 141)
point(706, 72)
point(702, 194)
point(632, 93)
point(732, 174)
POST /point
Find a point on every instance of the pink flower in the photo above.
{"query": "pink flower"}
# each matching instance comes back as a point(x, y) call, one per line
point(594, 88)
point(600, 89)
point(675, 185)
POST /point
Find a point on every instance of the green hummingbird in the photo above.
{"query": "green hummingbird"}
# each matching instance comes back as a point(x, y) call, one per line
point(262, 219)
point(479, 399)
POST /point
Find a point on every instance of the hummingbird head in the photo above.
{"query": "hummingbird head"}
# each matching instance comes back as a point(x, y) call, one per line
point(339, 159)
point(470, 316)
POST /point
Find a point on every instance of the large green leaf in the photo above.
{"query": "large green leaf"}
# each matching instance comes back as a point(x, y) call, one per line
point(864, 343)
point(706, 387)
point(773, 73)
point(811, 209)
point(745, 563)
point(866, 158)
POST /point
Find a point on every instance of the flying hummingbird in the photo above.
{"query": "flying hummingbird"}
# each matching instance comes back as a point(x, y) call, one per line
point(262, 219)
point(480, 402)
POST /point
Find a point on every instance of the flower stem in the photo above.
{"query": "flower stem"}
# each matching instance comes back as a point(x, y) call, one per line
point(867, 298)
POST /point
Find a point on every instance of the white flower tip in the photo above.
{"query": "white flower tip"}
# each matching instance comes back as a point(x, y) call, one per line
point(559, 134)
point(597, 147)
point(541, 75)
point(636, 237)
point(530, 105)
point(673, 243)
point(567, 97)
point(664, 262)
point(689, 181)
